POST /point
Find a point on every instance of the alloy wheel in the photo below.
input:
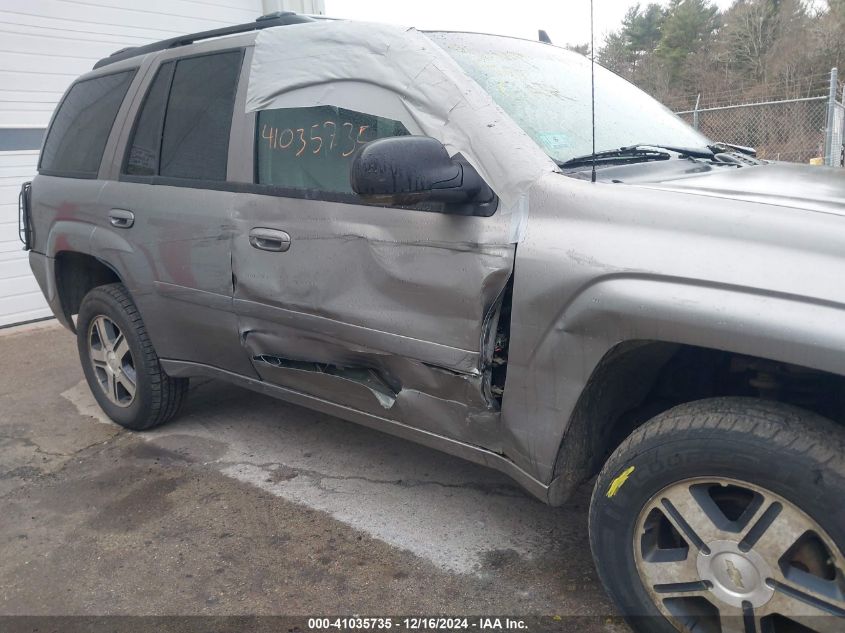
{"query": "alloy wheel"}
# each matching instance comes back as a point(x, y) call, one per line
point(112, 359)
point(719, 555)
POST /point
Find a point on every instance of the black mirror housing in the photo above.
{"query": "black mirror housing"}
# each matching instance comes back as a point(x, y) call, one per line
point(411, 169)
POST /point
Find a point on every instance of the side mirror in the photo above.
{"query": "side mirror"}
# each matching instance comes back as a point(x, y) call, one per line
point(412, 169)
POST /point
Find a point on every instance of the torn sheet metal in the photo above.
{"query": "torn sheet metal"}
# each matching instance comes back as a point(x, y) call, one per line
point(401, 389)
point(367, 378)
point(418, 83)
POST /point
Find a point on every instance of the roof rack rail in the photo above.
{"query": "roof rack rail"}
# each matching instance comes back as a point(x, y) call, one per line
point(279, 18)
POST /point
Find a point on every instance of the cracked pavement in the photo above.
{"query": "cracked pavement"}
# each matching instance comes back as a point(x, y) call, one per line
point(249, 505)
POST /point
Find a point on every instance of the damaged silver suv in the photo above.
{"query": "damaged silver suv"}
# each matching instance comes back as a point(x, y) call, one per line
point(411, 231)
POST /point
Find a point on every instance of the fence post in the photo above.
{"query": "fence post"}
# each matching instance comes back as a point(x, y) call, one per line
point(695, 111)
point(831, 119)
point(838, 154)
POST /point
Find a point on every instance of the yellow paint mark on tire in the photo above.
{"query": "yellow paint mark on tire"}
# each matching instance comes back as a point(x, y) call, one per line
point(617, 483)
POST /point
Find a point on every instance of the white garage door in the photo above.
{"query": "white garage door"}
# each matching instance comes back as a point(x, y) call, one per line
point(46, 44)
point(20, 297)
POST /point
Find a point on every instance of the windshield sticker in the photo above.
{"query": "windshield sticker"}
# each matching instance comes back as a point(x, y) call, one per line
point(554, 141)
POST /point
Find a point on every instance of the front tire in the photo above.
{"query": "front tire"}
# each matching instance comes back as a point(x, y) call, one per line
point(120, 363)
point(725, 515)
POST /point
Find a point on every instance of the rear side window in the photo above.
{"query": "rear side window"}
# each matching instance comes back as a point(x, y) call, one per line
point(80, 129)
point(182, 130)
point(312, 147)
point(146, 141)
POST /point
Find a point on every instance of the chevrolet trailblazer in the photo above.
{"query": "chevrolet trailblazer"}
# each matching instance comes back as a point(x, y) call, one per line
point(411, 231)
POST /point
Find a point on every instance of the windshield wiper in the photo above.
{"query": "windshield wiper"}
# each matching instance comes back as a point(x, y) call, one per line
point(720, 147)
point(639, 153)
point(702, 152)
point(632, 154)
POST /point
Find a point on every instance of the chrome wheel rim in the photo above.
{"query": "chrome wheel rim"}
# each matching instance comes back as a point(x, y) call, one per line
point(114, 367)
point(718, 555)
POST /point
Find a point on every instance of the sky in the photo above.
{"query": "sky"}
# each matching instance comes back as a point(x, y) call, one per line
point(566, 21)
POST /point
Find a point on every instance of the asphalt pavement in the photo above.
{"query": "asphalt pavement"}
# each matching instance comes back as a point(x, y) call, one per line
point(246, 505)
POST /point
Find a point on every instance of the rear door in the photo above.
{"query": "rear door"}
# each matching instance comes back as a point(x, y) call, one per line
point(383, 310)
point(174, 241)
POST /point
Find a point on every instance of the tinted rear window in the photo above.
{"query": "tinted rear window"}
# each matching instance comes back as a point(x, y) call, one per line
point(146, 139)
point(80, 129)
point(195, 142)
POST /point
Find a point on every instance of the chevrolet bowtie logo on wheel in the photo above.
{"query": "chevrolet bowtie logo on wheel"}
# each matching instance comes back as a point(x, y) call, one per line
point(734, 574)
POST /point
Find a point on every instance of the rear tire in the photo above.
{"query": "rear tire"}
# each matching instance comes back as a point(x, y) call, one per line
point(722, 515)
point(120, 363)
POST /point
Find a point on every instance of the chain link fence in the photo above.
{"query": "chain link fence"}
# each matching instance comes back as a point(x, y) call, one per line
point(806, 129)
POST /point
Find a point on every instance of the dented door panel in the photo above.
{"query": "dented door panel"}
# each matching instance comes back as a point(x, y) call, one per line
point(382, 310)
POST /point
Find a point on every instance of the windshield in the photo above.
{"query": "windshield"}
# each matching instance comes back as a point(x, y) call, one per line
point(546, 90)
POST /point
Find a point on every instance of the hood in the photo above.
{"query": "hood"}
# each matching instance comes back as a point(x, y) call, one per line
point(811, 188)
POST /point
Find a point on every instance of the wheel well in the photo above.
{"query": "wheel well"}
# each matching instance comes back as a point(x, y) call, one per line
point(639, 379)
point(76, 275)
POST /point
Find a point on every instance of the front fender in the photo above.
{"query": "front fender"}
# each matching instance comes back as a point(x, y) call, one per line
point(779, 327)
point(547, 378)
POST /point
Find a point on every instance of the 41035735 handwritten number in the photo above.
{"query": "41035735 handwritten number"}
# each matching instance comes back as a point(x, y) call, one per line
point(283, 138)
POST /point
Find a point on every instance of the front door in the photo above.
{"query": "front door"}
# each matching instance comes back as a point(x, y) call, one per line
point(383, 310)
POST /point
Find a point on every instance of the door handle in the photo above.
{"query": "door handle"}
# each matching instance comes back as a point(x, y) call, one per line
point(269, 240)
point(121, 218)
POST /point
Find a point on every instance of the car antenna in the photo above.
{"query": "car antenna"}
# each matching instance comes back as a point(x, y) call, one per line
point(593, 87)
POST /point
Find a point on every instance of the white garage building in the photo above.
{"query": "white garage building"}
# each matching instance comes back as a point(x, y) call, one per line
point(44, 46)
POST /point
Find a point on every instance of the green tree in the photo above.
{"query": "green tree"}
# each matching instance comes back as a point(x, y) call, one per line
point(688, 28)
point(630, 51)
point(754, 49)
point(643, 29)
point(614, 54)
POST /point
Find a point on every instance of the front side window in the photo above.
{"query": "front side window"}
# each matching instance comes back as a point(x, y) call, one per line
point(81, 127)
point(312, 147)
point(189, 137)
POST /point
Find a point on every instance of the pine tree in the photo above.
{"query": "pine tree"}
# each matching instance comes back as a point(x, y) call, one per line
point(687, 29)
